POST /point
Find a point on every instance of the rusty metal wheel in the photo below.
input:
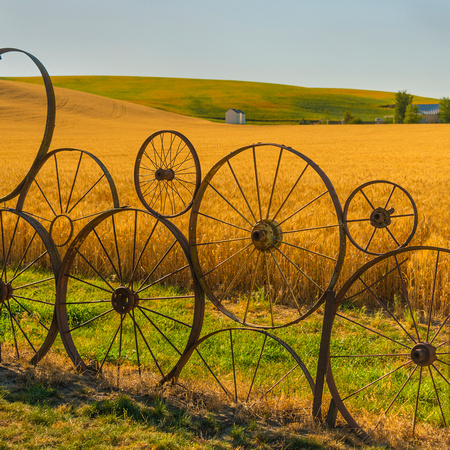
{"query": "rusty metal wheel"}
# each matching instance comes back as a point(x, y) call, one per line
point(390, 347)
point(65, 189)
point(29, 268)
point(248, 365)
point(380, 216)
point(167, 173)
point(50, 122)
point(127, 299)
point(266, 235)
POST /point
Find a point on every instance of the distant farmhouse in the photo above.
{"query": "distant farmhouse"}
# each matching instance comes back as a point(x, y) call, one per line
point(235, 116)
point(430, 113)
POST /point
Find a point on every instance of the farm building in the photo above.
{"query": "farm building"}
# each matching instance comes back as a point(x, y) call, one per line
point(430, 113)
point(235, 116)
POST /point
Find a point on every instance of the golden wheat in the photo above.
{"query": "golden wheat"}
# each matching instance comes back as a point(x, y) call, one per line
point(414, 156)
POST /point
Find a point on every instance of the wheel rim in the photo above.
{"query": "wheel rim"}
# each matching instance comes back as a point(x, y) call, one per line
point(380, 216)
point(405, 373)
point(29, 269)
point(132, 270)
point(66, 189)
point(240, 364)
point(50, 122)
point(167, 173)
point(266, 233)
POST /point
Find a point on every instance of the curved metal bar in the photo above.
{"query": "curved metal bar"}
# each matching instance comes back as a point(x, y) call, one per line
point(50, 122)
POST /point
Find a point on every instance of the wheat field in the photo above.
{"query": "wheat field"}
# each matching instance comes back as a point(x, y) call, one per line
point(416, 157)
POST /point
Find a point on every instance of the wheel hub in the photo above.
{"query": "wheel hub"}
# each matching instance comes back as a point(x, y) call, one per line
point(61, 230)
point(124, 300)
point(423, 354)
point(164, 174)
point(381, 218)
point(6, 291)
point(266, 234)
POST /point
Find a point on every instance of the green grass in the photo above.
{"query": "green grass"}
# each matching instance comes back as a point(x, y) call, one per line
point(210, 99)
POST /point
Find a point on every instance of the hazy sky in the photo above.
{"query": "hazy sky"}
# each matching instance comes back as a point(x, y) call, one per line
point(386, 45)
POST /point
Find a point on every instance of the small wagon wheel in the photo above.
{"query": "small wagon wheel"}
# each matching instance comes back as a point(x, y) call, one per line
point(167, 173)
point(380, 216)
point(249, 365)
point(266, 235)
point(66, 188)
point(29, 268)
point(127, 299)
point(391, 362)
point(50, 123)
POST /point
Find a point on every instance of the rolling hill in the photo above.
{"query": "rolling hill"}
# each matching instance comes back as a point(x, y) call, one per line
point(209, 99)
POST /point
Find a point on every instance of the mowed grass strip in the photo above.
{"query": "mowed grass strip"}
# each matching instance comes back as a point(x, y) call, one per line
point(209, 99)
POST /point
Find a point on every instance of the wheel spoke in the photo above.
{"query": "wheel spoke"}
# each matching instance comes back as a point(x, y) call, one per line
point(116, 243)
point(241, 191)
point(212, 373)
point(136, 341)
point(94, 269)
point(238, 273)
point(376, 381)
point(58, 183)
point(280, 380)
point(309, 251)
point(106, 253)
point(45, 197)
point(257, 183)
point(252, 286)
point(89, 284)
point(157, 265)
point(393, 237)
point(112, 342)
point(17, 275)
point(437, 396)
point(440, 329)
point(406, 294)
point(368, 201)
point(8, 306)
point(257, 367)
point(433, 291)
point(165, 316)
point(290, 192)
point(300, 270)
point(274, 183)
point(234, 367)
point(230, 204)
point(311, 229)
point(272, 321)
point(222, 221)
point(159, 280)
point(86, 194)
point(30, 313)
point(5, 263)
point(73, 183)
point(303, 207)
point(286, 282)
point(417, 401)
point(34, 283)
point(159, 330)
point(372, 331)
point(225, 260)
point(104, 313)
point(370, 239)
point(396, 396)
point(223, 241)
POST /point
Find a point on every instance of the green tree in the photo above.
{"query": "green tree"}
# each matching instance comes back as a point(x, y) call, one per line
point(412, 114)
point(402, 100)
point(347, 117)
point(444, 109)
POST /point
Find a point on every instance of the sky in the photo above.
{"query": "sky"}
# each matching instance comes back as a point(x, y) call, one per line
point(382, 45)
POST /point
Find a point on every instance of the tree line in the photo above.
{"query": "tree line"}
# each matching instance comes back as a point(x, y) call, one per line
point(406, 112)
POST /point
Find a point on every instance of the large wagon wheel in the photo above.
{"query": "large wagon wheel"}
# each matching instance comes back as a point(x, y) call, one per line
point(248, 365)
point(65, 189)
point(380, 216)
point(167, 173)
point(50, 122)
point(266, 235)
point(126, 296)
point(29, 267)
point(389, 362)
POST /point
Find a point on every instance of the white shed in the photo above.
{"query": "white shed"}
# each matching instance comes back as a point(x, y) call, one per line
point(235, 116)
